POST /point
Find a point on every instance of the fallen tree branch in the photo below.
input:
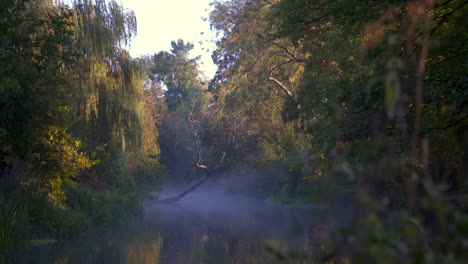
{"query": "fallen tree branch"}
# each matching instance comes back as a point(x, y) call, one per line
point(196, 184)
point(196, 137)
point(185, 192)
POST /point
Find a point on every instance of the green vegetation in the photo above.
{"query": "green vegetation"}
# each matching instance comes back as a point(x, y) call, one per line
point(312, 100)
point(76, 129)
point(366, 96)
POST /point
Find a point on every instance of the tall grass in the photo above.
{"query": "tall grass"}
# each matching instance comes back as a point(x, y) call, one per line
point(13, 226)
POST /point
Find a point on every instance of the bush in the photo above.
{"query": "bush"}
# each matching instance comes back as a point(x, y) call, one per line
point(101, 206)
point(433, 233)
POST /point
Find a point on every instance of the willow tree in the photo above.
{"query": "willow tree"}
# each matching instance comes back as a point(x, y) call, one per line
point(110, 104)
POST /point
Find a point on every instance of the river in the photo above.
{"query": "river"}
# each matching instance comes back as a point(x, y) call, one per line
point(204, 227)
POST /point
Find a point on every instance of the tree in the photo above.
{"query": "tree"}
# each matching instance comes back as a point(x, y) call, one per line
point(36, 46)
point(112, 115)
point(256, 87)
point(184, 95)
point(177, 72)
point(374, 91)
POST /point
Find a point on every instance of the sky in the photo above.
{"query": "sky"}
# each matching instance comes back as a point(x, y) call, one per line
point(161, 21)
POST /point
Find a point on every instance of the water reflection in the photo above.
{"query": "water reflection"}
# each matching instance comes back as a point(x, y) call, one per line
point(145, 251)
point(217, 228)
point(206, 227)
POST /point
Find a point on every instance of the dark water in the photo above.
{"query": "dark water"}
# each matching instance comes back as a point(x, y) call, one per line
point(205, 227)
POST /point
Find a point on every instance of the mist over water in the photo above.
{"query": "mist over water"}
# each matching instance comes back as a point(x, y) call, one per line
point(236, 215)
point(208, 225)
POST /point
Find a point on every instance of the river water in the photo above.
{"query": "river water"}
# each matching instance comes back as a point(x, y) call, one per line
point(204, 227)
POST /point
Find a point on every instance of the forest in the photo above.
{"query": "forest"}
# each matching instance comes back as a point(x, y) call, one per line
point(313, 102)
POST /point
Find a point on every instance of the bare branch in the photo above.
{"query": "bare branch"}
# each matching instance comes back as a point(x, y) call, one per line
point(185, 192)
point(194, 127)
point(291, 55)
point(285, 89)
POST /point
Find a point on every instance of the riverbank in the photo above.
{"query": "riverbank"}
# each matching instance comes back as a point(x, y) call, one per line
point(30, 218)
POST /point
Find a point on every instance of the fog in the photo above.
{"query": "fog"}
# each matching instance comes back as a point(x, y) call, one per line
point(235, 227)
point(209, 225)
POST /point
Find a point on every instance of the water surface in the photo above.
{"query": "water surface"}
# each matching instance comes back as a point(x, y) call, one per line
point(204, 227)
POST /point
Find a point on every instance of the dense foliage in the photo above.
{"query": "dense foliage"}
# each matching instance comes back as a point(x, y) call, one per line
point(367, 97)
point(76, 131)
